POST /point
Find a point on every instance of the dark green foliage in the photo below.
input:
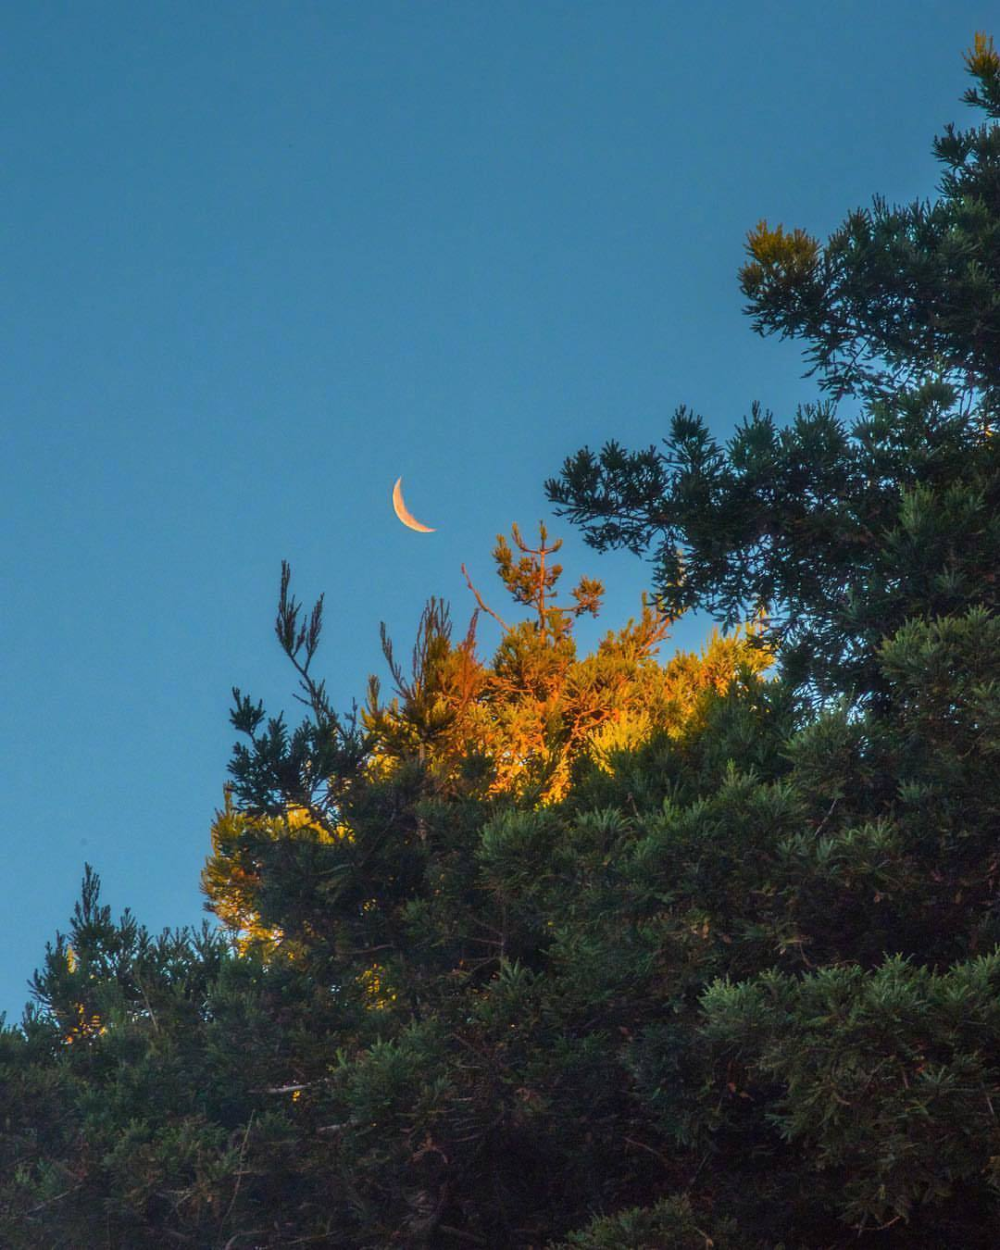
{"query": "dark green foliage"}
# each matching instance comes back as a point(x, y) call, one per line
point(899, 294)
point(671, 1222)
point(839, 531)
point(886, 1080)
point(837, 534)
point(736, 984)
point(143, 1101)
point(308, 765)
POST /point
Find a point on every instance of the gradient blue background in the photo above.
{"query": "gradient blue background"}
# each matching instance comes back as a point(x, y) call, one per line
point(260, 259)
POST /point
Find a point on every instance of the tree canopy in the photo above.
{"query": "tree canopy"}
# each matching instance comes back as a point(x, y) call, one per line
point(605, 951)
point(840, 530)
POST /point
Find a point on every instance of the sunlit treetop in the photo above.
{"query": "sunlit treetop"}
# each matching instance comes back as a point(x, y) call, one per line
point(458, 727)
point(515, 724)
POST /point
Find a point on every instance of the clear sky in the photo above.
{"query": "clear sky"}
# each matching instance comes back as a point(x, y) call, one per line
point(260, 259)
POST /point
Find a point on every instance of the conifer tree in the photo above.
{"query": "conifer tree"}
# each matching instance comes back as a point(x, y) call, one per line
point(839, 531)
point(457, 728)
point(429, 893)
point(850, 1030)
point(600, 952)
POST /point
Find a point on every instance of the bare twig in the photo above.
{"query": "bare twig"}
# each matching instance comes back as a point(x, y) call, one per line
point(697, 1171)
point(649, 1150)
point(239, 1173)
point(290, 1089)
point(244, 1232)
point(58, 1198)
point(332, 1130)
point(823, 823)
point(149, 1005)
point(472, 1238)
point(479, 599)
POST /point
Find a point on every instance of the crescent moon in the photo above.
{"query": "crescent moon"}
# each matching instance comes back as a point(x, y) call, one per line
point(404, 513)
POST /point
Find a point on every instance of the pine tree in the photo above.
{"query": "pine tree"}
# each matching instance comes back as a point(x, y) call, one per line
point(600, 951)
point(428, 894)
point(839, 531)
point(458, 729)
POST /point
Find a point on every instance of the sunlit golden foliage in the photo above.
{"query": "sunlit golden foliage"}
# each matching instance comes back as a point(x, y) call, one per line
point(378, 993)
point(86, 1026)
point(85, 1023)
point(777, 256)
point(515, 724)
point(231, 877)
point(982, 58)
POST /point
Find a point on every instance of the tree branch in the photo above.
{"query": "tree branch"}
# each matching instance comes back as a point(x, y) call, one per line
point(479, 599)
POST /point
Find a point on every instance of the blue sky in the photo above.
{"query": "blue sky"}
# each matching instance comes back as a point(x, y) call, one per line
point(259, 260)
